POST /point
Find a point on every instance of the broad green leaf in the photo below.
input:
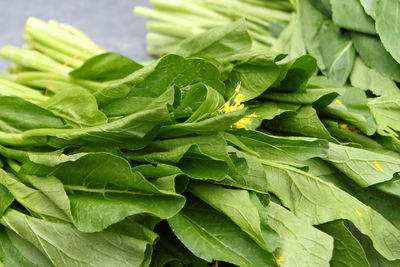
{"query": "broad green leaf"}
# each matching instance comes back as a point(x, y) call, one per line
point(245, 171)
point(17, 114)
point(387, 18)
point(199, 103)
point(211, 236)
point(268, 111)
point(153, 80)
point(47, 199)
point(385, 110)
point(100, 198)
point(238, 206)
point(94, 249)
point(255, 72)
point(217, 43)
point(170, 250)
point(371, 80)
point(76, 105)
point(347, 250)
point(372, 197)
point(338, 54)
point(302, 148)
point(296, 73)
point(105, 67)
point(9, 254)
point(320, 96)
point(324, 6)
point(356, 139)
point(374, 258)
point(351, 15)
point(6, 198)
point(209, 126)
point(353, 108)
point(334, 51)
point(306, 196)
point(369, 7)
point(199, 157)
point(319, 81)
point(130, 105)
point(364, 167)
point(305, 122)
point(391, 187)
point(291, 41)
point(130, 131)
point(301, 244)
point(375, 56)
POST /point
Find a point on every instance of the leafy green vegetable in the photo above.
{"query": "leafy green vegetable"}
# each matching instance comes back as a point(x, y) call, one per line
point(347, 249)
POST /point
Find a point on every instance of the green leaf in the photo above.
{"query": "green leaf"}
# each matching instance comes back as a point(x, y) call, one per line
point(305, 122)
point(387, 18)
point(371, 80)
point(351, 15)
point(209, 126)
point(105, 67)
point(385, 110)
point(353, 108)
point(334, 51)
point(216, 43)
point(302, 148)
point(47, 199)
point(17, 114)
point(320, 96)
point(245, 171)
point(306, 196)
point(290, 41)
point(238, 206)
point(268, 111)
point(99, 198)
point(375, 56)
point(297, 73)
point(130, 131)
point(374, 258)
point(369, 7)
point(364, 167)
point(212, 236)
point(94, 249)
point(199, 103)
point(6, 198)
point(170, 250)
point(9, 254)
point(28, 251)
point(347, 250)
point(255, 72)
point(155, 79)
point(76, 105)
point(391, 187)
point(301, 243)
point(199, 157)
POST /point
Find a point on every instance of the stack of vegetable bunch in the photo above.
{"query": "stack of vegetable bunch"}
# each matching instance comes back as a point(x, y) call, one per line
point(215, 152)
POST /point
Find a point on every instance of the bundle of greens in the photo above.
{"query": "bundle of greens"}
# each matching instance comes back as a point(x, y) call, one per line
point(214, 152)
point(353, 41)
point(174, 20)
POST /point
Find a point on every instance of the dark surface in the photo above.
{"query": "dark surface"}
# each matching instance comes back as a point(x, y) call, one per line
point(109, 23)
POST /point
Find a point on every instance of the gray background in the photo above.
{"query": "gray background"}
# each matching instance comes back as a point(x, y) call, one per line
point(109, 23)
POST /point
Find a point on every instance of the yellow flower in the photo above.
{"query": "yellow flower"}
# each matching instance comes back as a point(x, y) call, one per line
point(237, 104)
point(243, 122)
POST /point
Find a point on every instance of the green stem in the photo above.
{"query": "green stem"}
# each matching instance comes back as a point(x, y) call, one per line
point(16, 139)
point(60, 57)
point(188, 7)
point(174, 30)
point(33, 60)
point(160, 39)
